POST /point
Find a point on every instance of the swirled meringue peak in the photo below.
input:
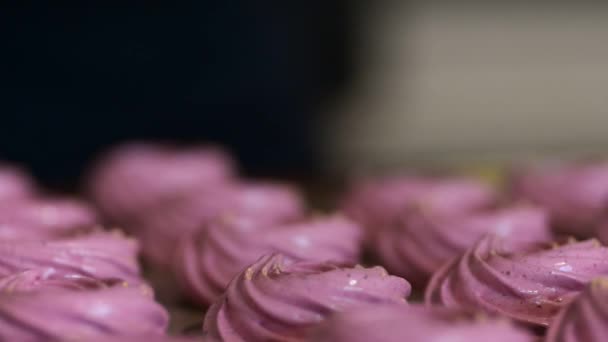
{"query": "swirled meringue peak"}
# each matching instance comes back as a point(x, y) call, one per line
point(265, 203)
point(575, 195)
point(527, 284)
point(421, 241)
point(585, 319)
point(379, 203)
point(207, 262)
point(99, 255)
point(45, 218)
point(14, 183)
point(277, 301)
point(47, 305)
point(391, 323)
point(136, 177)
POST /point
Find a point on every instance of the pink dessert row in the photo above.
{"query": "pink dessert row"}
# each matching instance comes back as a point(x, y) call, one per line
point(62, 278)
point(413, 225)
point(266, 269)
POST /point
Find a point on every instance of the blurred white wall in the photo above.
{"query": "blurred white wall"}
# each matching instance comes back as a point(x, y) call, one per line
point(475, 84)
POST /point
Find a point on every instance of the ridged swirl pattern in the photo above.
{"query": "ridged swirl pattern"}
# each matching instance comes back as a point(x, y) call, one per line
point(379, 204)
point(266, 203)
point(585, 319)
point(418, 244)
point(527, 284)
point(45, 218)
point(46, 305)
point(390, 323)
point(277, 301)
point(208, 261)
point(98, 255)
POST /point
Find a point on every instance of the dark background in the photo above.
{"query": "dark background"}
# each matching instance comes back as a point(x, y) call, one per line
point(251, 75)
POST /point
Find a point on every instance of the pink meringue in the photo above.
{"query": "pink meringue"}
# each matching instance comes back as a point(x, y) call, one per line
point(54, 306)
point(266, 203)
point(135, 177)
point(161, 194)
point(376, 202)
point(48, 278)
point(527, 284)
point(421, 241)
point(208, 261)
point(391, 323)
point(585, 319)
point(575, 195)
point(45, 218)
point(100, 255)
point(277, 301)
point(380, 203)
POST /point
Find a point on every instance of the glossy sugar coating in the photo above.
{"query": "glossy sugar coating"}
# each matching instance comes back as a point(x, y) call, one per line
point(49, 305)
point(276, 301)
point(527, 284)
point(585, 319)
